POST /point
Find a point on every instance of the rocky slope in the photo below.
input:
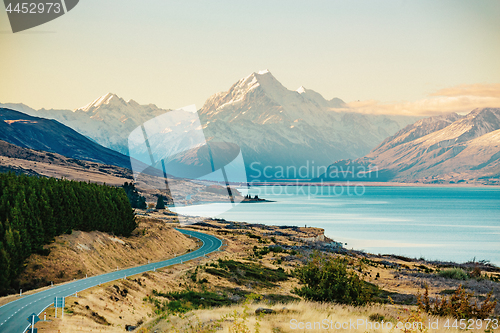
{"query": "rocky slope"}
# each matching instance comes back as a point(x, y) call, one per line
point(447, 148)
point(41, 163)
point(98, 253)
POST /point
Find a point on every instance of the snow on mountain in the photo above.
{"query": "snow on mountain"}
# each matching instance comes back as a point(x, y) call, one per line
point(108, 99)
point(475, 124)
point(273, 125)
point(448, 148)
point(319, 100)
point(108, 120)
point(417, 130)
point(277, 127)
point(476, 159)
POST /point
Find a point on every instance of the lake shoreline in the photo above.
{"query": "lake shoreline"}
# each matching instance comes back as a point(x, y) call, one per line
point(369, 184)
point(455, 223)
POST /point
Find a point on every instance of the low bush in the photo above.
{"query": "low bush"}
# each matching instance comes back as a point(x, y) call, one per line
point(259, 252)
point(459, 305)
point(376, 317)
point(276, 249)
point(217, 272)
point(454, 273)
point(193, 276)
point(253, 236)
point(327, 279)
point(245, 272)
point(185, 301)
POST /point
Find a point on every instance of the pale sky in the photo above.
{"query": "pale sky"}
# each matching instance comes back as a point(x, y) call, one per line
point(393, 55)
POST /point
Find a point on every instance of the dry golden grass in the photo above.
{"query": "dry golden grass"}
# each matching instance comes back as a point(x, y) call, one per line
point(288, 317)
point(98, 252)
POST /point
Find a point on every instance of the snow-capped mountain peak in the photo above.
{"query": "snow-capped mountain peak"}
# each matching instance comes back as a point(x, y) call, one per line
point(108, 119)
point(262, 86)
point(108, 99)
point(417, 130)
point(263, 79)
point(263, 117)
point(301, 90)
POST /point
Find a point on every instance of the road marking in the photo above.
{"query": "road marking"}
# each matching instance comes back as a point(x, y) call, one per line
point(59, 290)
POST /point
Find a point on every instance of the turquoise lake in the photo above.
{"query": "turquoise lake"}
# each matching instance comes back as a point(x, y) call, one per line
point(442, 223)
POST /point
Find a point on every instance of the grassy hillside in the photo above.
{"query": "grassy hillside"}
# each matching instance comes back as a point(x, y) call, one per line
point(100, 252)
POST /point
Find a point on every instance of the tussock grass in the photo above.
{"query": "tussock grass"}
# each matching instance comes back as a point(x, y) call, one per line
point(247, 272)
point(242, 318)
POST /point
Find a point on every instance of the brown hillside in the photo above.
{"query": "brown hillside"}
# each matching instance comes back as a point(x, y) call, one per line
point(73, 256)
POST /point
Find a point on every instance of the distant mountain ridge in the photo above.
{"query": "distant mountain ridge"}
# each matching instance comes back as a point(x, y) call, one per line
point(273, 126)
point(49, 135)
point(417, 130)
point(108, 120)
point(442, 149)
point(276, 127)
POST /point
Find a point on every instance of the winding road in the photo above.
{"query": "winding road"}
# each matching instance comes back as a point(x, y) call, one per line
point(13, 315)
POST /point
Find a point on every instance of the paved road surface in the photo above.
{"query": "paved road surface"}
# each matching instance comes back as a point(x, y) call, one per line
point(13, 315)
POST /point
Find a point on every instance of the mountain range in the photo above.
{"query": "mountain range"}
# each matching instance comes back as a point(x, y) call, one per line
point(274, 127)
point(443, 149)
point(108, 120)
point(49, 135)
point(280, 131)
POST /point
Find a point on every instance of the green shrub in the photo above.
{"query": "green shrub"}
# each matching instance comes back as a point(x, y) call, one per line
point(194, 275)
point(447, 291)
point(454, 273)
point(276, 249)
point(217, 272)
point(253, 236)
point(327, 279)
point(260, 252)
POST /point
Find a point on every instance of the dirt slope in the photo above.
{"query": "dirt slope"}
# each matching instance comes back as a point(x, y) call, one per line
point(74, 256)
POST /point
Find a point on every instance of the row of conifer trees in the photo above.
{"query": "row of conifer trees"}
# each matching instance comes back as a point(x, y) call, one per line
point(34, 210)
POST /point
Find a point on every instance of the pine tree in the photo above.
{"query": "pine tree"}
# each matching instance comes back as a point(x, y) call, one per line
point(136, 200)
point(160, 204)
point(4, 270)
